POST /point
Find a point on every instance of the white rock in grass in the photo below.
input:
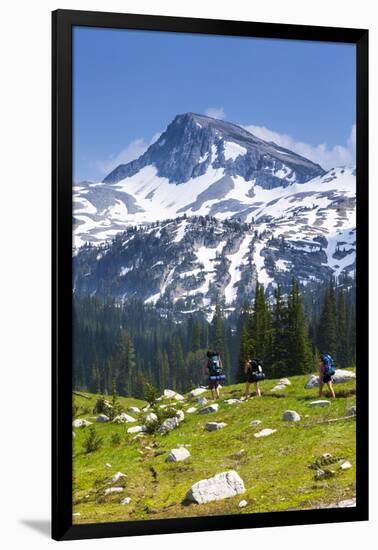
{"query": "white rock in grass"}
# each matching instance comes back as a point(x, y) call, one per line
point(178, 455)
point(102, 418)
point(285, 382)
point(111, 490)
point(243, 504)
point(209, 409)
point(340, 377)
point(232, 401)
point(108, 465)
point(350, 503)
point(213, 426)
point(81, 423)
point(221, 486)
point(291, 416)
point(196, 392)
point(255, 423)
point(279, 387)
point(77, 514)
point(191, 410)
point(320, 403)
point(346, 465)
point(201, 401)
point(169, 394)
point(178, 397)
point(135, 410)
point(125, 500)
point(168, 425)
point(265, 432)
point(116, 478)
point(123, 418)
point(180, 416)
point(137, 429)
point(146, 408)
point(151, 419)
point(352, 411)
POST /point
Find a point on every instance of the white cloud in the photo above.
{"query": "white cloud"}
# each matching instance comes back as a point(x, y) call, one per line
point(133, 151)
point(338, 155)
point(215, 112)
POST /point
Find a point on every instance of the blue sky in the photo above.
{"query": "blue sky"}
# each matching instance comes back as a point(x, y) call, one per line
point(128, 86)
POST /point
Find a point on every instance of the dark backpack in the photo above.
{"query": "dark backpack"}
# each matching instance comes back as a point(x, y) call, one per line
point(213, 364)
point(329, 365)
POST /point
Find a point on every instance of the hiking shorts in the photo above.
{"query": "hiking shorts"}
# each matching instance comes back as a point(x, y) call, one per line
point(213, 384)
point(326, 378)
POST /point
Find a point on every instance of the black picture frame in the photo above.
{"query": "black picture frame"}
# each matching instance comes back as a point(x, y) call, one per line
point(62, 23)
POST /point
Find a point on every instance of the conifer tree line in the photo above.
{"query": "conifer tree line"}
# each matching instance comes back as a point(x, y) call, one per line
point(120, 347)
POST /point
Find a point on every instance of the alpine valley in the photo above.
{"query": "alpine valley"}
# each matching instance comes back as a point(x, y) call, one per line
point(207, 211)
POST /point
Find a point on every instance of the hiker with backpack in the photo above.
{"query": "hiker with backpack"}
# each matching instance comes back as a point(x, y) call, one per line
point(254, 374)
point(326, 372)
point(214, 367)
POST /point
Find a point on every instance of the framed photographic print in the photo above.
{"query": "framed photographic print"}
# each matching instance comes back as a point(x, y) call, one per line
point(210, 191)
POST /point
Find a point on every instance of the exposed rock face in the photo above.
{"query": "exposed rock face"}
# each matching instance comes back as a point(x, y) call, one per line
point(178, 455)
point(183, 152)
point(221, 486)
point(291, 416)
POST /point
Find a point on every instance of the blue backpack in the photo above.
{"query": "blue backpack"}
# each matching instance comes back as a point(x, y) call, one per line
point(328, 361)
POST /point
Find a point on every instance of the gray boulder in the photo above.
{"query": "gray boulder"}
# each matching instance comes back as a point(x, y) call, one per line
point(114, 479)
point(221, 486)
point(123, 418)
point(291, 416)
point(232, 401)
point(137, 429)
point(320, 403)
point(102, 418)
point(264, 433)
point(111, 490)
point(151, 419)
point(209, 409)
point(196, 393)
point(125, 500)
point(213, 426)
point(134, 410)
point(178, 455)
point(201, 401)
point(352, 411)
point(255, 423)
point(180, 416)
point(168, 425)
point(191, 410)
point(279, 387)
point(285, 382)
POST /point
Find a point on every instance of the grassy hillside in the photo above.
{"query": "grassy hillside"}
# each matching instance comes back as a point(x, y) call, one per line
point(275, 469)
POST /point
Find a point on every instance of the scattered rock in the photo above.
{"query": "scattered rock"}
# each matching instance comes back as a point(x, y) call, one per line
point(102, 418)
point(116, 478)
point(285, 382)
point(319, 474)
point(178, 455)
point(168, 425)
point(243, 504)
point(135, 410)
point(326, 457)
point(279, 387)
point(320, 403)
point(111, 490)
point(324, 474)
point(146, 408)
point(265, 432)
point(349, 503)
point(179, 397)
point(191, 410)
point(107, 465)
point(240, 453)
point(77, 514)
point(255, 422)
point(81, 423)
point(196, 392)
point(345, 465)
point(232, 401)
point(151, 419)
point(125, 500)
point(291, 416)
point(213, 426)
point(137, 429)
point(341, 376)
point(352, 411)
point(209, 409)
point(169, 394)
point(180, 416)
point(223, 485)
point(201, 401)
point(123, 418)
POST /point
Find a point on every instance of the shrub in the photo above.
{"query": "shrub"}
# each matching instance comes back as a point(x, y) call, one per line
point(150, 392)
point(115, 439)
point(93, 441)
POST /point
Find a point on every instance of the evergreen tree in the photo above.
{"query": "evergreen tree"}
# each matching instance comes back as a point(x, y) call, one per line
point(299, 356)
point(342, 349)
point(279, 334)
point(327, 328)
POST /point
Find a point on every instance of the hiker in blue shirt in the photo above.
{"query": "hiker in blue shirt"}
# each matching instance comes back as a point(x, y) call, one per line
point(326, 372)
point(254, 374)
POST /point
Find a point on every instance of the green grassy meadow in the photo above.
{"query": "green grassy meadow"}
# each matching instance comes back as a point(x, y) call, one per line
point(275, 469)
